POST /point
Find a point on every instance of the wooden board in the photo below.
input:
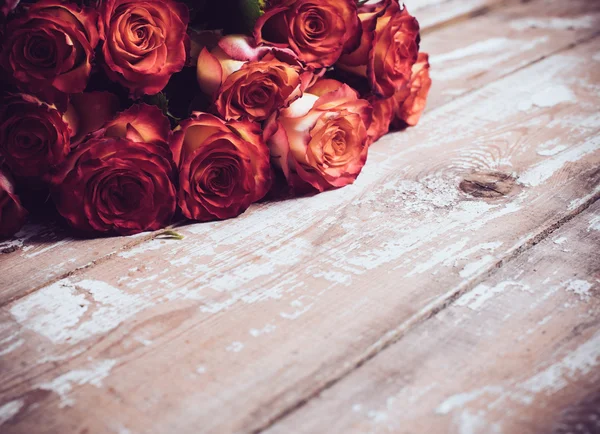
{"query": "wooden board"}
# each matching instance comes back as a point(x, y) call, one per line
point(244, 320)
point(56, 255)
point(520, 353)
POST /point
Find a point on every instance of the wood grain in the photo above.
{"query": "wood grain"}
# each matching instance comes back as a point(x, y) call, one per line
point(245, 319)
point(462, 54)
point(518, 354)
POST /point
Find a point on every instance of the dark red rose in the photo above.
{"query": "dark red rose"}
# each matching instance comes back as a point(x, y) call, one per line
point(318, 31)
point(223, 166)
point(144, 42)
point(388, 48)
point(12, 213)
point(120, 179)
point(49, 51)
point(6, 6)
point(34, 136)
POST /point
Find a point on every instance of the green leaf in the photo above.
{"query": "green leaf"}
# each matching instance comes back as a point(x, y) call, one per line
point(170, 234)
point(251, 11)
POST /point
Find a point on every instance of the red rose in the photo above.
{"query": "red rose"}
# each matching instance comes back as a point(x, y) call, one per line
point(321, 139)
point(409, 110)
point(34, 136)
point(250, 82)
point(120, 179)
point(223, 166)
point(49, 50)
point(388, 47)
point(12, 213)
point(318, 31)
point(88, 112)
point(144, 42)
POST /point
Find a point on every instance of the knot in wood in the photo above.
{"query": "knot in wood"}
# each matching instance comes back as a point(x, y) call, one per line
point(487, 184)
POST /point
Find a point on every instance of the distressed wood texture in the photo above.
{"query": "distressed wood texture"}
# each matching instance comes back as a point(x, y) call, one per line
point(520, 353)
point(244, 320)
point(482, 51)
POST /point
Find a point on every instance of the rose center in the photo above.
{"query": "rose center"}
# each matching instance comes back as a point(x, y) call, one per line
point(40, 51)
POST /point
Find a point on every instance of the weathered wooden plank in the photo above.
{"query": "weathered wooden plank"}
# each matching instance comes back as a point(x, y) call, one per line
point(507, 357)
point(56, 255)
point(246, 318)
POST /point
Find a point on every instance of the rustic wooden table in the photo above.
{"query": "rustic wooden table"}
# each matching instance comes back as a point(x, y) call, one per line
point(455, 288)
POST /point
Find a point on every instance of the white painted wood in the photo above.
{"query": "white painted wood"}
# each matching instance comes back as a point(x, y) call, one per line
point(244, 319)
point(508, 357)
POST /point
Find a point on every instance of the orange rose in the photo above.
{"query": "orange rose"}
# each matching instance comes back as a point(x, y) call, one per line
point(248, 81)
point(223, 166)
point(12, 213)
point(409, 110)
point(145, 42)
point(120, 179)
point(383, 112)
point(388, 47)
point(318, 31)
point(49, 50)
point(321, 139)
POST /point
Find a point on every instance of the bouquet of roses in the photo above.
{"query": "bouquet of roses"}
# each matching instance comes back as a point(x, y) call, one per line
point(124, 115)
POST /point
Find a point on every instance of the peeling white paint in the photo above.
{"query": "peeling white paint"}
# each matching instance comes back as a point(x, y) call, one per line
point(63, 385)
point(552, 151)
point(554, 23)
point(594, 223)
point(459, 400)
point(481, 294)
point(549, 97)
point(146, 246)
point(269, 328)
point(544, 170)
point(10, 410)
point(235, 347)
point(473, 268)
point(579, 361)
point(580, 287)
point(60, 311)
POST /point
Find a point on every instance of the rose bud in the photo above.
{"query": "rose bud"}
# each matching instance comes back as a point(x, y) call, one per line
point(248, 81)
point(321, 139)
point(409, 110)
point(145, 42)
point(12, 213)
point(34, 136)
point(388, 48)
point(318, 31)
point(223, 166)
point(121, 179)
point(49, 50)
